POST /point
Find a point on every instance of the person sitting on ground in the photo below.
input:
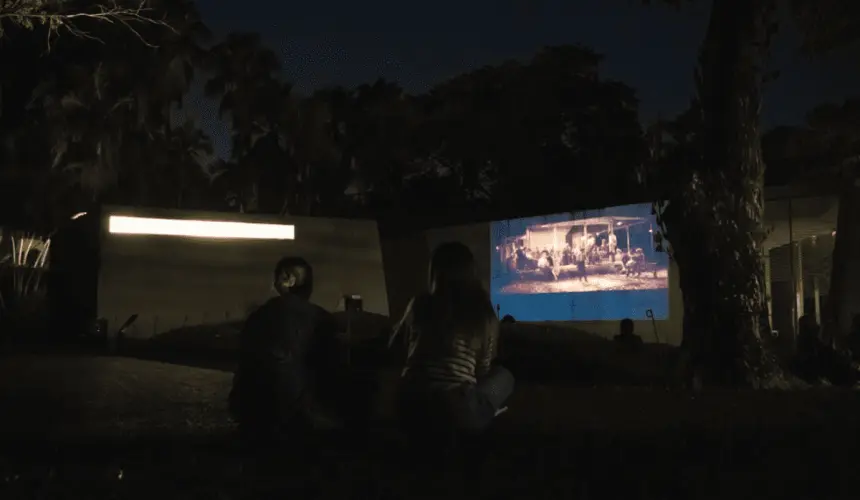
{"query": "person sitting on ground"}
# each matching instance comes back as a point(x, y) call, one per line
point(808, 356)
point(816, 360)
point(286, 347)
point(854, 338)
point(626, 337)
point(449, 381)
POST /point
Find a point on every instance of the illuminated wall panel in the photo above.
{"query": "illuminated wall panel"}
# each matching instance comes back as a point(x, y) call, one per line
point(179, 269)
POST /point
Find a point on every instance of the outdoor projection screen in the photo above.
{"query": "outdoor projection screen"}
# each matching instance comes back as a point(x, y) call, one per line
point(599, 265)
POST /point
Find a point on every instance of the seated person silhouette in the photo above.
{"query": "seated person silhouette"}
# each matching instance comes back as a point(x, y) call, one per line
point(287, 347)
point(854, 338)
point(816, 359)
point(449, 382)
point(626, 338)
point(809, 353)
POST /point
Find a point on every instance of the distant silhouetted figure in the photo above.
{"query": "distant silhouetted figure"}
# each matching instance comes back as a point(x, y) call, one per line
point(808, 334)
point(508, 319)
point(626, 337)
point(815, 360)
point(449, 381)
point(613, 245)
point(287, 348)
point(854, 338)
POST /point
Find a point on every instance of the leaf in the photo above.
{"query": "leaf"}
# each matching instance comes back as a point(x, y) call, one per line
point(59, 151)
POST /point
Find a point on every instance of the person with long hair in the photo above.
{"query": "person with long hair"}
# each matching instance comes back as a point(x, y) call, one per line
point(451, 334)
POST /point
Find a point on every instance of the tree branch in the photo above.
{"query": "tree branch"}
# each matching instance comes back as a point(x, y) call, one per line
point(49, 13)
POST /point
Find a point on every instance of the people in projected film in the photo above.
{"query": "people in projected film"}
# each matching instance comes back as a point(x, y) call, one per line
point(601, 253)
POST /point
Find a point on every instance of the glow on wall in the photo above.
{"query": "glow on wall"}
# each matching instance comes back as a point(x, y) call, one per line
point(118, 224)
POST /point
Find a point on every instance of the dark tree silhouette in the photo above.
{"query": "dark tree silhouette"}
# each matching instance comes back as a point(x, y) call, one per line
point(530, 137)
point(245, 80)
point(94, 121)
point(712, 212)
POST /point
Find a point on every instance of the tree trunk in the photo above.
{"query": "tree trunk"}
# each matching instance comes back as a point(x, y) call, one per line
point(716, 228)
point(843, 301)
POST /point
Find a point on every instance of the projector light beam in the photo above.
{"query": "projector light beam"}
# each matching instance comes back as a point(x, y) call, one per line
point(200, 228)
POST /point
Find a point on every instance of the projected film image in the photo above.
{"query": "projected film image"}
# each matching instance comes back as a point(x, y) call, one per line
point(590, 266)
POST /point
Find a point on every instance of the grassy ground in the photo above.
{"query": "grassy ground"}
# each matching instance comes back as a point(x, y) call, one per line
point(103, 427)
point(580, 359)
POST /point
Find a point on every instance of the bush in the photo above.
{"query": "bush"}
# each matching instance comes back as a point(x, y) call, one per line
point(23, 301)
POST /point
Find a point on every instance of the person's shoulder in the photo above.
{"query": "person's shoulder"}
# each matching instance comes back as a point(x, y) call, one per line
point(320, 312)
point(276, 301)
point(265, 308)
point(288, 305)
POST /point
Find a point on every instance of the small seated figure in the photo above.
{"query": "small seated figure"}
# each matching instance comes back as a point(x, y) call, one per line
point(854, 338)
point(626, 338)
point(816, 359)
point(808, 342)
point(287, 349)
point(450, 381)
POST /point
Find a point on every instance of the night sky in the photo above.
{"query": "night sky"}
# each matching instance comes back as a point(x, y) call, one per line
point(417, 44)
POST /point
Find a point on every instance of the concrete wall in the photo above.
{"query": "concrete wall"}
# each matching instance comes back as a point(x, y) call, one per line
point(171, 282)
point(414, 263)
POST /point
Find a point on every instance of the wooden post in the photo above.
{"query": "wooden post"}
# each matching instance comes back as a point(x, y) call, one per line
point(816, 291)
point(768, 285)
point(793, 270)
point(816, 286)
point(798, 256)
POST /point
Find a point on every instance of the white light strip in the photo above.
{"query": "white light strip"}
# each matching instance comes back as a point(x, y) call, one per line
point(200, 228)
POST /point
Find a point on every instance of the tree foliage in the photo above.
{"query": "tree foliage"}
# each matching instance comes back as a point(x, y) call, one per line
point(521, 136)
point(92, 121)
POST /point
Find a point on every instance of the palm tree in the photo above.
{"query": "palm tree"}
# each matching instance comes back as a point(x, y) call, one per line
point(174, 63)
point(318, 174)
point(244, 79)
point(179, 172)
point(104, 112)
point(376, 128)
point(87, 116)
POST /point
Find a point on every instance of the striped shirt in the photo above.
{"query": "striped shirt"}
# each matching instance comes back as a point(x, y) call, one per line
point(439, 359)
